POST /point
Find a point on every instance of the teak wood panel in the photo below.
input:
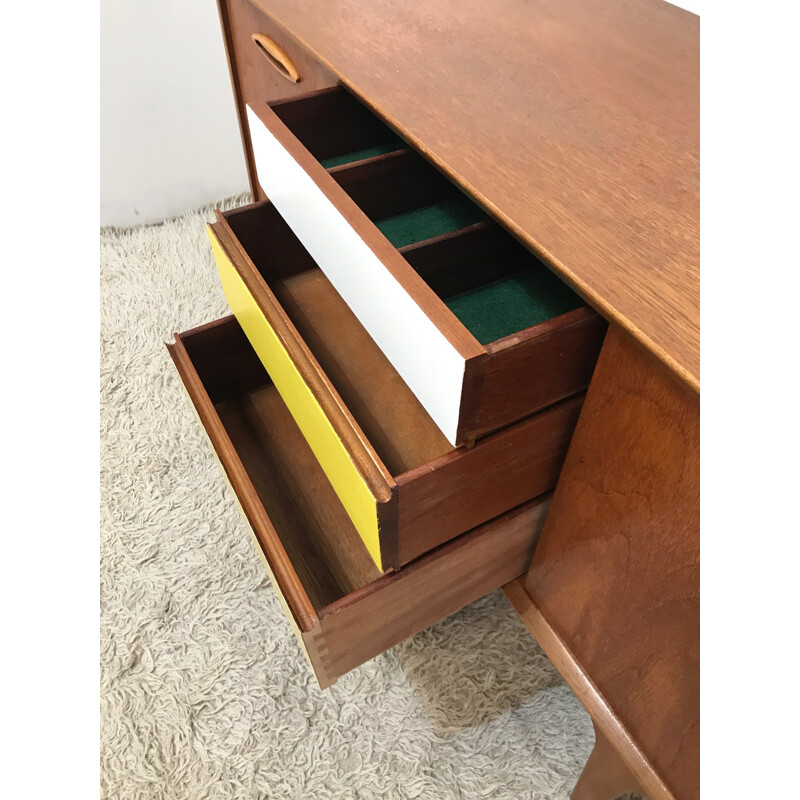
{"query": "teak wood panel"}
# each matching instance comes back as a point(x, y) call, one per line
point(564, 349)
point(343, 612)
point(391, 417)
point(448, 494)
point(629, 771)
point(392, 183)
point(252, 76)
point(430, 588)
point(605, 775)
point(218, 341)
point(616, 572)
point(575, 124)
point(461, 260)
point(435, 492)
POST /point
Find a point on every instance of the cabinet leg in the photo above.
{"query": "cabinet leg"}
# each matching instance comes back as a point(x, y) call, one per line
point(605, 776)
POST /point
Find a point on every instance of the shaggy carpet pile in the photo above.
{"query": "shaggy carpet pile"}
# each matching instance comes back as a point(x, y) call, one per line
point(204, 691)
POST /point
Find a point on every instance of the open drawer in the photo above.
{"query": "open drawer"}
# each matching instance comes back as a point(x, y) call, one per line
point(480, 330)
point(344, 611)
point(405, 487)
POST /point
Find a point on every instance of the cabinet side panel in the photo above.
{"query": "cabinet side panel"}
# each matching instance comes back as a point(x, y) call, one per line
point(616, 573)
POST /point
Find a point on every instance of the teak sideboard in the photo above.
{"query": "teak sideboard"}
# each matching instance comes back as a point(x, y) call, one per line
point(464, 343)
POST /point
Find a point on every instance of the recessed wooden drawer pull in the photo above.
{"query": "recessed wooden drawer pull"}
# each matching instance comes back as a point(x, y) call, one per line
point(276, 56)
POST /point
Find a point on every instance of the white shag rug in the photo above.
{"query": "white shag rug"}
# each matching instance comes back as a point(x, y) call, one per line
point(204, 690)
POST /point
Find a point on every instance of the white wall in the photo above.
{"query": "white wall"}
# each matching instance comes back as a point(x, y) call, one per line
point(169, 140)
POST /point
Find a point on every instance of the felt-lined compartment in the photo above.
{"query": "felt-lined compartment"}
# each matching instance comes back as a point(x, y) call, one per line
point(419, 224)
point(412, 203)
point(515, 290)
point(389, 146)
point(491, 283)
point(496, 287)
point(336, 128)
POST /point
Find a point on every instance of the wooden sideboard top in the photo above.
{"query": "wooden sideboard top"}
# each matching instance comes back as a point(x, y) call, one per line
point(575, 123)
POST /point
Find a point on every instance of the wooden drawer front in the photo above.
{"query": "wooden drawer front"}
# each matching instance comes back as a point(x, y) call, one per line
point(480, 330)
point(343, 610)
point(405, 487)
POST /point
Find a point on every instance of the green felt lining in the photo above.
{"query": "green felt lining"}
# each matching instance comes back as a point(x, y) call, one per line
point(429, 221)
point(495, 309)
point(368, 152)
point(512, 304)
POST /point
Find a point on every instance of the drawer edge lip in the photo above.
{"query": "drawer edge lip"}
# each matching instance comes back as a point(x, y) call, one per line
point(583, 315)
point(363, 455)
point(289, 585)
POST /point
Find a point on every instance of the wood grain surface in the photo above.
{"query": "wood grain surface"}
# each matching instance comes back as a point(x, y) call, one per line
point(392, 183)
point(349, 126)
point(616, 572)
point(215, 338)
point(574, 123)
point(318, 536)
point(387, 411)
point(605, 776)
point(440, 583)
point(606, 722)
point(469, 486)
point(537, 366)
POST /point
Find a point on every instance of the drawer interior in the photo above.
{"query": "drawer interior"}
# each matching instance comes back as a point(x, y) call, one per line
point(492, 284)
point(391, 417)
point(315, 531)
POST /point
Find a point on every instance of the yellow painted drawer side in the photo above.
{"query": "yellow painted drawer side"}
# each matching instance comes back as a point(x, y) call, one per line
point(325, 443)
